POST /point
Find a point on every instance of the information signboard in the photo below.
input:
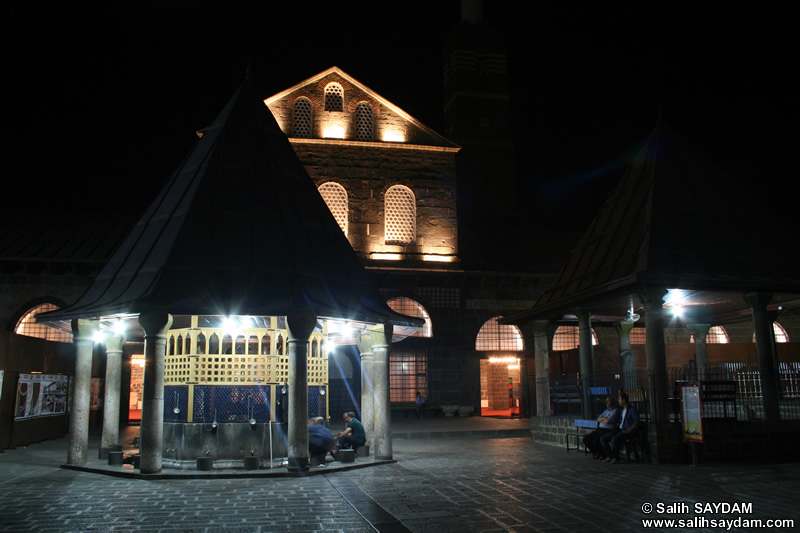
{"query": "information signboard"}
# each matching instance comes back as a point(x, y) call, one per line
point(41, 395)
point(692, 414)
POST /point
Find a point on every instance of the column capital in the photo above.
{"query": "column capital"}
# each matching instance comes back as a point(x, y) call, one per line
point(114, 342)
point(698, 329)
point(583, 314)
point(300, 327)
point(541, 327)
point(624, 327)
point(652, 296)
point(758, 300)
point(85, 328)
point(155, 324)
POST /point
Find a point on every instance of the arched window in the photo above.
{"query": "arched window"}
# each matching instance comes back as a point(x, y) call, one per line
point(568, 338)
point(780, 333)
point(408, 307)
point(716, 335)
point(28, 326)
point(302, 118)
point(334, 97)
point(363, 122)
point(400, 216)
point(336, 199)
point(494, 336)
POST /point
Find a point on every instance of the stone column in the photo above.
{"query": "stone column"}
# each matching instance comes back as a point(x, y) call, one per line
point(381, 338)
point(766, 358)
point(586, 350)
point(524, 389)
point(111, 400)
point(627, 359)
point(155, 326)
point(83, 334)
point(653, 299)
point(367, 415)
point(700, 332)
point(541, 342)
point(300, 329)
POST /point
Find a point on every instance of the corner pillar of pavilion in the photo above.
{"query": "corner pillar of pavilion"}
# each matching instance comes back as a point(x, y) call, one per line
point(586, 349)
point(699, 331)
point(541, 342)
point(111, 398)
point(662, 435)
point(300, 329)
point(83, 332)
point(375, 407)
point(155, 326)
point(626, 356)
point(767, 356)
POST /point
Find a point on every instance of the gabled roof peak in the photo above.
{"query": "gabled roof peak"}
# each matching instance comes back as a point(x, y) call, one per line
point(435, 139)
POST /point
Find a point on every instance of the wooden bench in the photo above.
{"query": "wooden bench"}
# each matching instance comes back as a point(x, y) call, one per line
point(411, 407)
point(581, 427)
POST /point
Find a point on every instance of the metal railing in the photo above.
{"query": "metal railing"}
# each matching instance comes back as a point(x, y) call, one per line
point(731, 389)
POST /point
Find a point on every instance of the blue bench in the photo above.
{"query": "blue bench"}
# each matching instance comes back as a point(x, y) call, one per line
point(582, 428)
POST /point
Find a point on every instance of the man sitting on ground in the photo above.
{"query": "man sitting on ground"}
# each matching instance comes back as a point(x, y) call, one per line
point(605, 423)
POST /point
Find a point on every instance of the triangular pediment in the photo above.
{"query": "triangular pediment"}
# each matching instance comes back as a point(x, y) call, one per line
point(391, 124)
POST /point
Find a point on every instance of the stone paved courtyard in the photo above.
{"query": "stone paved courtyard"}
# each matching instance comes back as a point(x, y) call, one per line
point(438, 484)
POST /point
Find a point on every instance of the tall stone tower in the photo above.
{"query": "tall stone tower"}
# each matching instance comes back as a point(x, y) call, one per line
point(477, 114)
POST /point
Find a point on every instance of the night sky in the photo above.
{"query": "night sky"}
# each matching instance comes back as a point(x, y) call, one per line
point(105, 103)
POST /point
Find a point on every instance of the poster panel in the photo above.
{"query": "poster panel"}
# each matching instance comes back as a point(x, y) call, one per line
point(41, 395)
point(692, 414)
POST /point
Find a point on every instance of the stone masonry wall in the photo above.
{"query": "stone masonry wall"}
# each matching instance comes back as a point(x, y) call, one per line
point(367, 172)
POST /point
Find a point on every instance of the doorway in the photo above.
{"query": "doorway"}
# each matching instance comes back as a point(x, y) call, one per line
point(137, 388)
point(500, 386)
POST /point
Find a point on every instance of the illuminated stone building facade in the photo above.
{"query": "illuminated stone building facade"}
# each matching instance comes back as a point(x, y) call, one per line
point(391, 183)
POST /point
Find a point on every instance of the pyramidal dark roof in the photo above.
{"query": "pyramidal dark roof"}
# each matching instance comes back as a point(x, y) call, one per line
point(675, 220)
point(239, 229)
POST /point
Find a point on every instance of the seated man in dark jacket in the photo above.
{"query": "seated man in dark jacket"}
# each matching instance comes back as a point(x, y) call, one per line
point(612, 441)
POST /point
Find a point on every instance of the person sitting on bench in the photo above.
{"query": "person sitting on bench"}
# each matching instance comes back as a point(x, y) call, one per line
point(605, 423)
point(613, 441)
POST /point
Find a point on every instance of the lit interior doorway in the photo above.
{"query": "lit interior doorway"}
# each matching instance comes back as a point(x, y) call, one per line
point(500, 386)
point(137, 387)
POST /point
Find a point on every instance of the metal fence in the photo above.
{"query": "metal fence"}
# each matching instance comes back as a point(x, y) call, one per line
point(731, 389)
